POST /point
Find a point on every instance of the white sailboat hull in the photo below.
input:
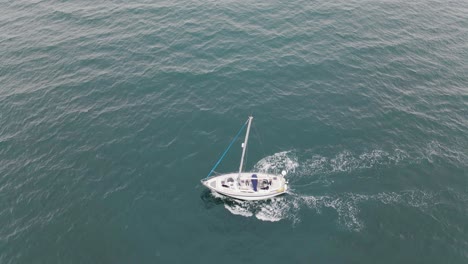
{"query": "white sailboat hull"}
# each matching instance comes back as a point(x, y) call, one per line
point(249, 186)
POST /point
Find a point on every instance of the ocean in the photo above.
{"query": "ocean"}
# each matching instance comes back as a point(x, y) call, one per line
point(111, 112)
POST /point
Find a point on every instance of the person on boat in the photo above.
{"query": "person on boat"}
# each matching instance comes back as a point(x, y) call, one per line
point(254, 182)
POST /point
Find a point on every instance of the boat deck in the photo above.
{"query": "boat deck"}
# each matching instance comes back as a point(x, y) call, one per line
point(249, 186)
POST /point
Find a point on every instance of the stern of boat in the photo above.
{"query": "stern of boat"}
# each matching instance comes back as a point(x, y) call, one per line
point(284, 186)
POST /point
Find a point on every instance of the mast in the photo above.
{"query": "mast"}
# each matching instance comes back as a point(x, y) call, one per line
point(244, 145)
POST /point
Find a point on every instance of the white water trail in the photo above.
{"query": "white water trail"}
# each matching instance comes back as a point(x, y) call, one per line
point(285, 160)
point(345, 205)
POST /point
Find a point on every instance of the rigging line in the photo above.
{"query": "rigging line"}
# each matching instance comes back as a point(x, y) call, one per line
point(226, 151)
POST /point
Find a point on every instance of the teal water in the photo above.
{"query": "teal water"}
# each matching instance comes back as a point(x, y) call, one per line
point(111, 113)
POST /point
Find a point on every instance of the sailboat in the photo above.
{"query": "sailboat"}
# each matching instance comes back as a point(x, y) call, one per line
point(241, 185)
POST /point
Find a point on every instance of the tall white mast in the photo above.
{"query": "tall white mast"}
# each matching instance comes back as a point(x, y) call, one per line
point(244, 145)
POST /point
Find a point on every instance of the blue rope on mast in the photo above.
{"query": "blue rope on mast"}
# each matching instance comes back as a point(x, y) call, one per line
point(226, 151)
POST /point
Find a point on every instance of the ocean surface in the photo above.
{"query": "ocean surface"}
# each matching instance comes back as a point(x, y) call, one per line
point(111, 112)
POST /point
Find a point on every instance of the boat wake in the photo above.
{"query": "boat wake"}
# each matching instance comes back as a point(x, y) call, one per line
point(285, 160)
point(344, 206)
point(272, 210)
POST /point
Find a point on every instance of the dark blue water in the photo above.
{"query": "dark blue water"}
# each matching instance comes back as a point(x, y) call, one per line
point(111, 112)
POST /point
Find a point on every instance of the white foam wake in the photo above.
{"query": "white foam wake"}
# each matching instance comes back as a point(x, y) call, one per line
point(277, 162)
point(347, 161)
point(272, 210)
point(346, 205)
